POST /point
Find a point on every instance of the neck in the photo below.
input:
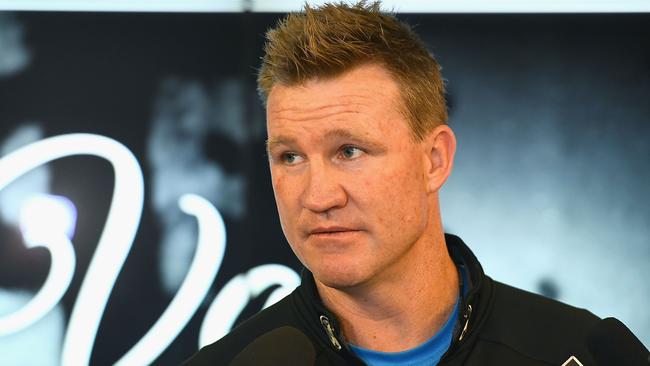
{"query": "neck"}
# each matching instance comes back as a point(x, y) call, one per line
point(402, 309)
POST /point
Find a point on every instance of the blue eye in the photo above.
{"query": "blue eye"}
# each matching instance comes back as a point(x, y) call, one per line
point(290, 158)
point(350, 152)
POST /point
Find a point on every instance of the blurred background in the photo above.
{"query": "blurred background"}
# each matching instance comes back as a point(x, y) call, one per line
point(550, 187)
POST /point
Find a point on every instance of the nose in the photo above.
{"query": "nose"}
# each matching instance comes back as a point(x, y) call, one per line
point(323, 190)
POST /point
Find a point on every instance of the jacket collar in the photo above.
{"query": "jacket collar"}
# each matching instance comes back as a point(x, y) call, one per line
point(473, 303)
point(474, 299)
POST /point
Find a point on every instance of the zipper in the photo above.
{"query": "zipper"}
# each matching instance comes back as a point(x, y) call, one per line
point(467, 315)
point(325, 322)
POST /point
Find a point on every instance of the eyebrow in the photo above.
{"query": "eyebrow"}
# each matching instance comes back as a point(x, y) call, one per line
point(281, 140)
point(337, 133)
point(347, 135)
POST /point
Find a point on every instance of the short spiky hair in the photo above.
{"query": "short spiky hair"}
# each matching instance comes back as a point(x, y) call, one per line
point(326, 41)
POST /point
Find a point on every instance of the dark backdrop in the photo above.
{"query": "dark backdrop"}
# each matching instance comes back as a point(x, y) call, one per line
point(550, 186)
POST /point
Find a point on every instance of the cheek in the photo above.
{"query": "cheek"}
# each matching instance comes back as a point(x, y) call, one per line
point(281, 191)
point(278, 185)
point(400, 184)
point(398, 197)
point(285, 191)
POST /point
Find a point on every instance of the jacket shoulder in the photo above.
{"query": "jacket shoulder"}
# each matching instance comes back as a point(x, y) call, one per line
point(278, 315)
point(537, 327)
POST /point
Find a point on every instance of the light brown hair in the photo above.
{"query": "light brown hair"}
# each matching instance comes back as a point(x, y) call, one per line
point(326, 41)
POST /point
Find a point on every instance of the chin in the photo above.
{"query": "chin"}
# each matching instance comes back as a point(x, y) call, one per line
point(338, 275)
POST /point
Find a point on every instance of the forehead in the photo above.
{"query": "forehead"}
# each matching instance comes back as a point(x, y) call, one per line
point(366, 89)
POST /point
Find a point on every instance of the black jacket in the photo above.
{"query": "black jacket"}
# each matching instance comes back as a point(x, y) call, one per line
point(497, 325)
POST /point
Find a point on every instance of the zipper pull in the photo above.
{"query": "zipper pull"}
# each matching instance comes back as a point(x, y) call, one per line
point(325, 322)
point(467, 315)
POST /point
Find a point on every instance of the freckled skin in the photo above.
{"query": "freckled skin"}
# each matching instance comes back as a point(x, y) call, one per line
point(382, 193)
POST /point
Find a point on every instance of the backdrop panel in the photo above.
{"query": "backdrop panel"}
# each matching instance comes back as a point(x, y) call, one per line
point(550, 183)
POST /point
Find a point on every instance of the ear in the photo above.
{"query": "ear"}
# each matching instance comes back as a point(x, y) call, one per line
point(440, 145)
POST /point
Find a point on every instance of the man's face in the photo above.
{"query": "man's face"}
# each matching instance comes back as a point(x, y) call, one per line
point(349, 180)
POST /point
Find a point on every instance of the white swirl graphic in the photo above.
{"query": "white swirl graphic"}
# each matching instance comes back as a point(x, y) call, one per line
point(112, 249)
point(117, 237)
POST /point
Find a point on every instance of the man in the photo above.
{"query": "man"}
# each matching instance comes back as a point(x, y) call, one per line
point(358, 150)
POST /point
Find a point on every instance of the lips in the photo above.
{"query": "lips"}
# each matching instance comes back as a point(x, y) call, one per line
point(331, 230)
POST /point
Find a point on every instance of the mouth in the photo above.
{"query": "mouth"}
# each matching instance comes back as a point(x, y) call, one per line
point(332, 231)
